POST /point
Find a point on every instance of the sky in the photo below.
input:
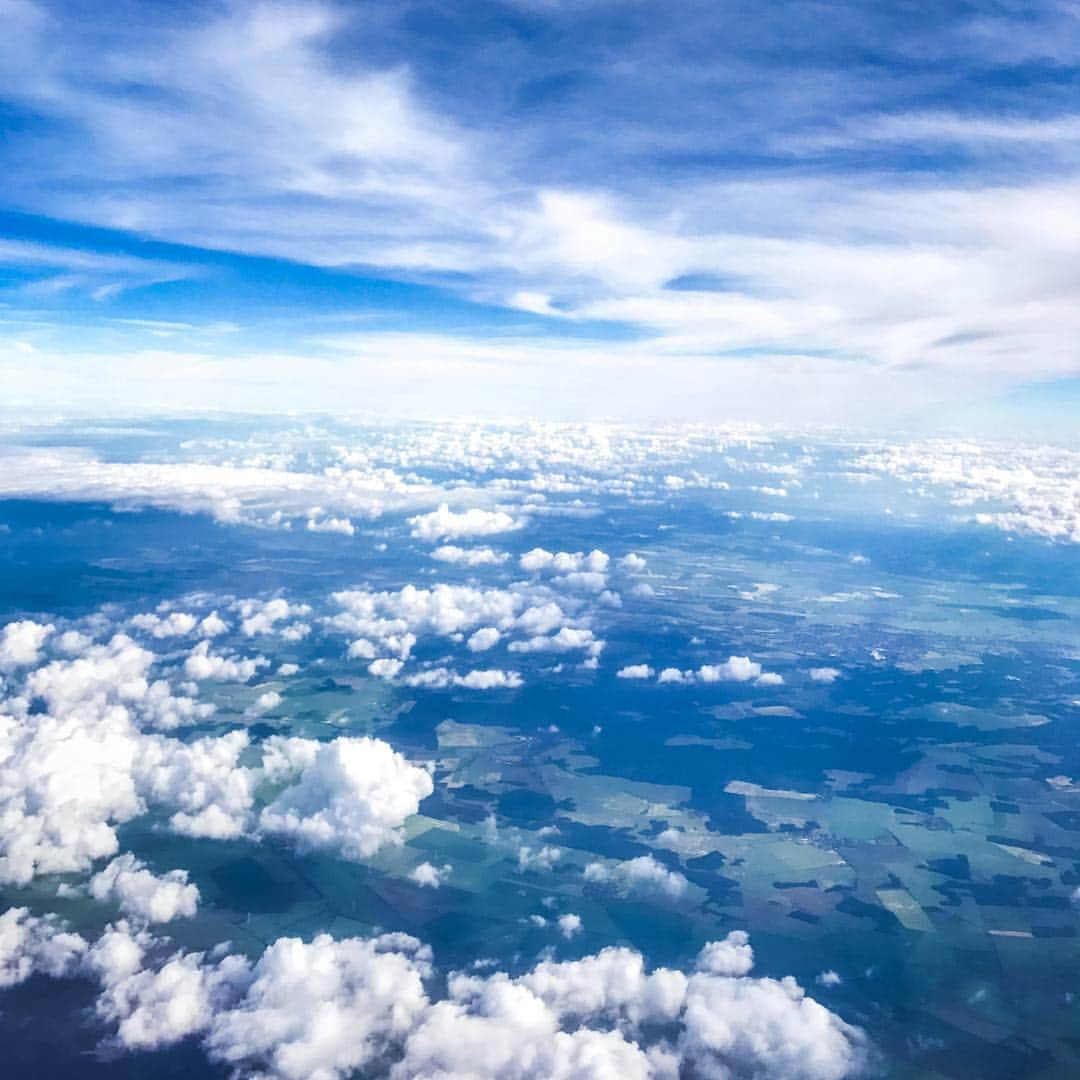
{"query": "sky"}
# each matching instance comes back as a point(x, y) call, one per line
point(787, 213)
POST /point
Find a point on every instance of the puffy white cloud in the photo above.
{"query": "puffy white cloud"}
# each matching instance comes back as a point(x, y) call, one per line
point(732, 956)
point(643, 876)
point(351, 795)
point(33, 945)
point(203, 664)
point(20, 643)
point(475, 556)
point(764, 1027)
point(633, 563)
point(69, 774)
point(570, 925)
point(386, 625)
point(212, 625)
point(483, 639)
point(829, 978)
point(567, 639)
point(564, 562)
point(430, 877)
point(674, 675)
point(175, 624)
point(1033, 490)
point(635, 671)
point(824, 674)
point(155, 1006)
point(271, 699)
point(324, 1009)
point(144, 895)
point(542, 858)
point(478, 679)
point(316, 523)
point(203, 781)
point(769, 678)
point(734, 669)
point(261, 617)
point(232, 493)
point(384, 668)
point(489, 679)
point(445, 524)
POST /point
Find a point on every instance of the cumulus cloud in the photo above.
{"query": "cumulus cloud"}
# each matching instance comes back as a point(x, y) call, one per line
point(144, 895)
point(635, 671)
point(475, 556)
point(36, 945)
point(567, 639)
point(262, 617)
point(445, 524)
point(643, 876)
point(483, 639)
point(734, 669)
point(351, 795)
point(439, 678)
point(73, 772)
point(317, 523)
point(1033, 490)
point(175, 624)
point(824, 674)
point(20, 643)
point(324, 1009)
point(386, 625)
point(203, 664)
point(431, 877)
point(570, 925)
point(564, 562)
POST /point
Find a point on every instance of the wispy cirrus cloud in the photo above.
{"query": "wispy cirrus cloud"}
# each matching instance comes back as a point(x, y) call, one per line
point(720, 186)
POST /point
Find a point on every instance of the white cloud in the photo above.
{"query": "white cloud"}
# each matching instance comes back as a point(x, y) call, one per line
point(1033, 490)
point(70, 775)
point(350, 795)
point(430, 877)
point(262, 617)
point(176, 624)
point(144, 895)
point(31, 945)
point(483, 639)
point(340, 525)
point(635, 671)
point(203, 664)
point(154, 1006)
point(567, 639)
point(564, 562)
point(271, 699)
point(490, 679)
point(384, 668)
point(324, 1009)
point(734, 669)
point(475, 556)
point(20, 643)
point(824, 674)
point(212, 625)
point(445, 524)
point(569, 925)
point(643, 876)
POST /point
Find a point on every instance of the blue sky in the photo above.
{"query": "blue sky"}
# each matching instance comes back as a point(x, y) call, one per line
point(830, 212)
